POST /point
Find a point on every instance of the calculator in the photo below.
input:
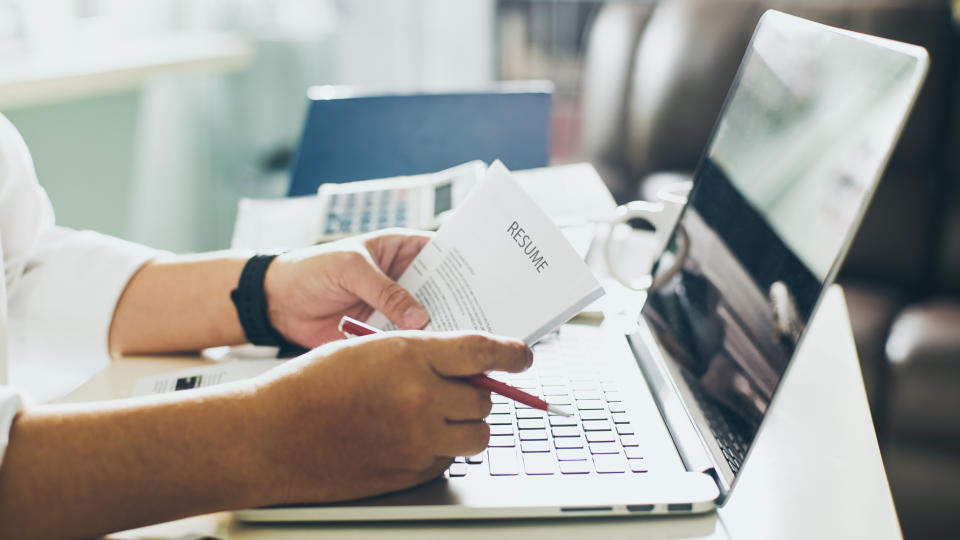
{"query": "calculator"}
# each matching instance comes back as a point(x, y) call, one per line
point(418, 202)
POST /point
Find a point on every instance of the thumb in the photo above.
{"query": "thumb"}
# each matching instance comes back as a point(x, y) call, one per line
point(385, 295)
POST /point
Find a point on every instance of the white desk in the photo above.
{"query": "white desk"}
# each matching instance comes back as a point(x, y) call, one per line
point(815, 472)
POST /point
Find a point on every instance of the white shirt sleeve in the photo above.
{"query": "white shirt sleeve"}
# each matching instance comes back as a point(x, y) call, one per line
point(71, 285)
point(63, 282)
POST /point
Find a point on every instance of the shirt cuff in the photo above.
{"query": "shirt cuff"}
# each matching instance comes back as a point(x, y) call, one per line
point(10, 406)
point(71, 286)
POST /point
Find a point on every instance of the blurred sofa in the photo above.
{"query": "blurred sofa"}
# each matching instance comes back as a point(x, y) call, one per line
point(655, 77)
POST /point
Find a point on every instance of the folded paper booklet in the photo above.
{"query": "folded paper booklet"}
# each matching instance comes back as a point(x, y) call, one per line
point(499, 265)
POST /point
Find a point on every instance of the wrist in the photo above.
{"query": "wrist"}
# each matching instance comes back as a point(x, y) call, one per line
point(288, 457)
point(253, 306)
point(272, 291)
point(260, 435)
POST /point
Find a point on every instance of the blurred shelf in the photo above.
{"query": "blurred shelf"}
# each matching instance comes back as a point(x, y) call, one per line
point(47, 78)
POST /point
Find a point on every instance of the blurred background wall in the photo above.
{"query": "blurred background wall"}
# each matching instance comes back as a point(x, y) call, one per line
point(148, 119)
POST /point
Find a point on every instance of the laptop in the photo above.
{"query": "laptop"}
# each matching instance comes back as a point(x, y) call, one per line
point(666, 417)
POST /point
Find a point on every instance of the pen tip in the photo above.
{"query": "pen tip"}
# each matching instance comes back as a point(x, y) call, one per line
point(558, 410)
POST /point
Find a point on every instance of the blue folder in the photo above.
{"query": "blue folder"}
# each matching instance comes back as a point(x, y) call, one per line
point(381, 135)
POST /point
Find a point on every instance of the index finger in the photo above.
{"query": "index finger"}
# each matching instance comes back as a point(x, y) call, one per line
point(473, 354)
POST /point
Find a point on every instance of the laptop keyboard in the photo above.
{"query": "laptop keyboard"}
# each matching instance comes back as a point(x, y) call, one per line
point(597, 439)
point(727, 429)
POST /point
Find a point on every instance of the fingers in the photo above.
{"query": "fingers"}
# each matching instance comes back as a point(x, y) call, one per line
point(462, 401)
point(463, 439)
point(394, 251)
point(384, 294)
point(472, 354)
point(434, 470)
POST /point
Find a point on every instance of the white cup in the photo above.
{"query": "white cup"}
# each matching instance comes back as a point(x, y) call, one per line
point(662, 214)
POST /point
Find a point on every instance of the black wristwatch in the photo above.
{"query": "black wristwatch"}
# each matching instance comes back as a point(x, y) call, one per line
point(251, 302)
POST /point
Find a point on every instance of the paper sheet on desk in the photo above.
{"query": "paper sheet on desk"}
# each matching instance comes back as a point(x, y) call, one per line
point(202, 376)
point(500, 265)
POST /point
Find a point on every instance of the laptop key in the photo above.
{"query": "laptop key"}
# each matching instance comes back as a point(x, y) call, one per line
point(616, 407)
point(600, 437)
point(501, 441)
point(610, 463)
point(539, 464)
point(500, 408)
point(633, 452)
point(620, 418)
point(593, 415)
point(629, 440)
point(604, 448)
point(590, 404)
point(457, 469)
point(574, 467)
point(473, 460)
point(625, 429)
point(557, 421)
point(534, 446)
point(503, 462)
point(551, 390)
point(524, 383)
point(529, 413)
point(587, 394)
point(565, 431)
point(531, 423)
point(572, 454)
point(533, 435)
point(584, 384)
point(568, 442)
point(501, 429)
point(613, 397)
point(500, 420)
point(638, 465)
point(597, 425)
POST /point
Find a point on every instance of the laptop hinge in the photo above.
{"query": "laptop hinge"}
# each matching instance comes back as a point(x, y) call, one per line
point(687, 438)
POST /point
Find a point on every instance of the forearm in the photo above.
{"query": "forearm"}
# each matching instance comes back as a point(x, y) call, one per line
point(118, 465)
point(179, 304)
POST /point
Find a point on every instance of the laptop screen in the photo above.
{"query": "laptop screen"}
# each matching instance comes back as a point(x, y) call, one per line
point(807, 127)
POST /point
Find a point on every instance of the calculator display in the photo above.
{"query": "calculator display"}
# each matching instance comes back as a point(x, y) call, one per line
point(442, 198)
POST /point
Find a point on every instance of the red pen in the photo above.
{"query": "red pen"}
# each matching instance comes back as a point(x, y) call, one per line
point(351, 327)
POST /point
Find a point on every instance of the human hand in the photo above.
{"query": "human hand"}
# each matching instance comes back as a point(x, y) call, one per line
point(375, 414)
point(310, 289)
